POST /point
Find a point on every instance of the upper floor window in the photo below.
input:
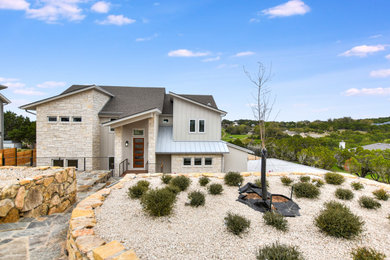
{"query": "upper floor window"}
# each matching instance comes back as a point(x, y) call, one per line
point(52, 118)
point(201, 126)
point(165, 120)
point(192, 126)
point(64, 119)
point(77, 119)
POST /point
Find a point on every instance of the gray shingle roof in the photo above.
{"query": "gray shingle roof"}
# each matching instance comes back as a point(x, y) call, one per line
point(204, 99)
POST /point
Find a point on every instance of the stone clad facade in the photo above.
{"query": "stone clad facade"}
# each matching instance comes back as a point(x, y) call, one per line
point(178, 167)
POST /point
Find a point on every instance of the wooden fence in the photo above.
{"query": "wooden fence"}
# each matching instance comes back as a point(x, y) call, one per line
point(11, 157)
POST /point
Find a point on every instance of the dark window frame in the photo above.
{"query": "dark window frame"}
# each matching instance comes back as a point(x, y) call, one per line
point(197, 160)
point(208, 161)
point(186, 163)
point(204, 126)
point(192, 126)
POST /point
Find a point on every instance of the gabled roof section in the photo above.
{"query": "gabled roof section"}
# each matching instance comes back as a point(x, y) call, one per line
point(3, 87)
point(205, 101)
point(70, 91)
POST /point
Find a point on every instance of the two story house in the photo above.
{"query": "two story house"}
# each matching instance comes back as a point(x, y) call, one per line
point(134, 129)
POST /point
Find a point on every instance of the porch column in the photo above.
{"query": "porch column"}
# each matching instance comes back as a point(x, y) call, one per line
point(152, 136)
point(118, 148)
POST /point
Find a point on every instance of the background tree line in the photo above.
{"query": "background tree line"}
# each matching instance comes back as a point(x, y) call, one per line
point(19, 128)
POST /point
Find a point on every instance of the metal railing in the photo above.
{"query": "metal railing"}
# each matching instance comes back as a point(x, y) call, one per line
point(123, 166)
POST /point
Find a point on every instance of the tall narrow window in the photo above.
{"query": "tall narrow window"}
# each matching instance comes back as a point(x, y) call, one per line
point(192, 126)
point(201, 126)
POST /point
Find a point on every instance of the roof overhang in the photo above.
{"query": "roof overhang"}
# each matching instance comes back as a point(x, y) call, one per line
point(223, 113)
point(133, 118)
point(33, 105)
point(5, 100)
point(239, 148)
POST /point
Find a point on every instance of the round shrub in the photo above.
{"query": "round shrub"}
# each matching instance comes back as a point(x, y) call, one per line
point(204, 181)
point(367, 253)
point(334, 178)
point(158, 202)
point(215, 189)
point(304, 178)
point(143, 183)
point(236, 223)
point(344, 194)
point(197, 198)
point(306, 190)
point(233, 179)
point(258, 183)
point(182, 182)
point(318, 182)
point(136, 191)
point(369, 203)
point(166, 178)
point(172, 188)
point(381, 194)
point(286, 180)
point(276, 220)
point(337, 220)
point(357, 185)
point(277, 251)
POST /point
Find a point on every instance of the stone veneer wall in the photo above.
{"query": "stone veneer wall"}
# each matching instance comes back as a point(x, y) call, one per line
point(177, 163)
point(37, 196)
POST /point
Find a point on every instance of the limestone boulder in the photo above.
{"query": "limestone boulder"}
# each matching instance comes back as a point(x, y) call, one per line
point(19, 200)
point(9, 191)
point(5, 206)
point(33, 199)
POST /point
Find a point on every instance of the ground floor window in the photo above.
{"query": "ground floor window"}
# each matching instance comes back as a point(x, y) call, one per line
point(198, 161)
point(73, 163)
point(58, 162)
point(187, 161)
point(208, 161)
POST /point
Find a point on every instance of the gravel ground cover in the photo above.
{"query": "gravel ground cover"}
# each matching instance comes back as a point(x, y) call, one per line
point(13, 175)
point(200, 233)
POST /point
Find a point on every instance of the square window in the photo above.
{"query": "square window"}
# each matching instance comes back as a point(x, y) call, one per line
point(73, 163)
point(58, 162)
point(138, 132)
point(192, 126)
point(198, 161)
point(52, 118)
point(187, 161)
point(64, 119)
point(77, 119)
point(201, 126)
point(208, 161)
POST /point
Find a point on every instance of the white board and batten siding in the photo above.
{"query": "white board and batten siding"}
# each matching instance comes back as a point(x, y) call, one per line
point(236, 160)
point(184, 111)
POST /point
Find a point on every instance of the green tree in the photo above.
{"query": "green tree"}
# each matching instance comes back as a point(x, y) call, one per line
point(19, 128)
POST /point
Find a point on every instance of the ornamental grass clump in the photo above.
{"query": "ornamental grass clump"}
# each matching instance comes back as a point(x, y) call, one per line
point(276, 220)
point(165, 178)
point(367, 253)
point(258, 183)
point(196, 198)
point(204, 181)
point(182, 182)
point(337, 220)
point(172, 188)
point(237, 224)
point(158, 202)
point(344, 194)
point(369, 203)
point(136, 191)
point(357, 185)
point(233, 179)
point(304, 178)
point(215, 189)
point(286, 180)
point(334, 178)
point(318, 182)
point(306, 190)
point(277, 251)
point(381, 194)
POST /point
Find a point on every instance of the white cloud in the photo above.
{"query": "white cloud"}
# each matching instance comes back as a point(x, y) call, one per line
point(292, 7)
point(186, 53)
point(364, 50)
point(14, 4)
point(51, 84)
point(375, 36)
point(54, 10)
point(254, 20)
point(117, 20)
point(147, 38)
point(380, 73)
point(367, 91)
point(11, 82)
point(29, 91)
point(212, 59)
point(244, 53)
point(387, 56)
point(101, 7)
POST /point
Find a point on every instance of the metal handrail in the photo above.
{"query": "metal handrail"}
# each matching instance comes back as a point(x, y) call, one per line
point(123, 166)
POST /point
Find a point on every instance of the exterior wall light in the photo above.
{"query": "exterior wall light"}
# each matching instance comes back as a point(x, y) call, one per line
point(127, 143)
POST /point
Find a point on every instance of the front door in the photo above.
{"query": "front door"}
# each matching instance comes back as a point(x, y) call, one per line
point(138, 152)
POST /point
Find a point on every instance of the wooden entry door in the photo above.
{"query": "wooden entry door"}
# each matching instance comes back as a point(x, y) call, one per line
point(138, 152)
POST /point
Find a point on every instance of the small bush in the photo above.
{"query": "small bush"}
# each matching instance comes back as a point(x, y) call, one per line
point(369, 203)
point(136, 191)
point(215, 189)
point(158, 202)
point(143, 183)
point(172, 188)
point(233, 178)
point(286, 180)
point(357, 185)
point(166, 178)
point(197, 198)
point(182, 182)
point(344, 194)
point(334, 178)
point(204, 181)
point(381, 194)
point(366, 253)
point(278, 251)
point(337, 220)
point(258, 183)
point(306, 190)
point(304, 178)
point(276, 220)
point(318, 182)
point(236, 223)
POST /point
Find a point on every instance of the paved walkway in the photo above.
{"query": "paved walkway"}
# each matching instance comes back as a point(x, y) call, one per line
point(44, 238)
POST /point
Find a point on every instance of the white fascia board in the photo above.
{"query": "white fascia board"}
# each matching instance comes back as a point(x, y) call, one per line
point(115, 122)
point(4, 99)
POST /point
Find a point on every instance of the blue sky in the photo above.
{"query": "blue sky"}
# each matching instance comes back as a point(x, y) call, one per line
point(329, 58)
